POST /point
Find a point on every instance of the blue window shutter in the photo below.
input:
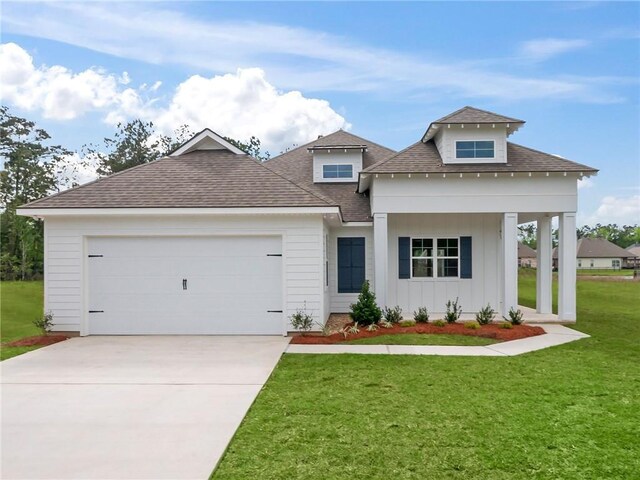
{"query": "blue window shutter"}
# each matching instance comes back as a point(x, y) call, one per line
point(465, 257)
point(351, 264)
point(404, 257)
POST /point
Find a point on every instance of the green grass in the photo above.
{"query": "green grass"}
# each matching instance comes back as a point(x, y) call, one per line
point(605, 273)
point(569, 412)
point(20, 305)
point(421, 339)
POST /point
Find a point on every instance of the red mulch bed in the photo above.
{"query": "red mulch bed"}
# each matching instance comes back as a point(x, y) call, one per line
point(488, 331)
point(37, 340)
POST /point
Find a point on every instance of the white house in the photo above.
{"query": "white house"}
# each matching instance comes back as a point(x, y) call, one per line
point(210, 241)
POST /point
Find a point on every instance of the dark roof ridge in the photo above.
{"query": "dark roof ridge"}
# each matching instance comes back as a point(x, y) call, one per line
point(469, 107)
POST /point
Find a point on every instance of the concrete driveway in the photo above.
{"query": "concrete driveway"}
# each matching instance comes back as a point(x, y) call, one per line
point(129, 407)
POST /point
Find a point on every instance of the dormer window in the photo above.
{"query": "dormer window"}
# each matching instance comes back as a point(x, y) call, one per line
point(475, 149)
point(337, 171)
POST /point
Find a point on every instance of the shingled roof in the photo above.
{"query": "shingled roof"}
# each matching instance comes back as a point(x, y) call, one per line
point(297, 165)
point(200, 179)
point(425, 158)
point(475, 115)
point(598, 248)
point(525, 251)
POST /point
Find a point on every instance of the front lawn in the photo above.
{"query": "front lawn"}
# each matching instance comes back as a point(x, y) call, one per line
point(605, 273)
point(20, 304)
point(421, 339)
point(570, 412)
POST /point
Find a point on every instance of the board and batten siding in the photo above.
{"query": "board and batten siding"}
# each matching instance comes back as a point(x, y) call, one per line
point(341, 302)
point(472, 194)
point(65, 254)
point(448, 136)
point(433, 293)
point(336, 157)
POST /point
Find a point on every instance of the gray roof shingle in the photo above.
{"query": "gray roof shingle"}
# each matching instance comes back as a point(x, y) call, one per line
point(297, 165)
point(598, 248)
point(425, 158)
point(475, 115)
point(201, 179)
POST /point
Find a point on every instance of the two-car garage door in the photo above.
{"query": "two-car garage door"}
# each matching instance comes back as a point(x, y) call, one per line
point(185, 285)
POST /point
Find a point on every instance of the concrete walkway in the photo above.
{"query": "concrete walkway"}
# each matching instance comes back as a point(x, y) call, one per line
point(555, 335)
point(162, 407)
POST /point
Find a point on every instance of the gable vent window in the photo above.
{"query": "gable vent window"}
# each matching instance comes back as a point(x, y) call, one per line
point(475, 149)
point(337, 171)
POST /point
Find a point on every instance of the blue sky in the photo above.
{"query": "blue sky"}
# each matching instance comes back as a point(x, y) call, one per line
point(287, 72)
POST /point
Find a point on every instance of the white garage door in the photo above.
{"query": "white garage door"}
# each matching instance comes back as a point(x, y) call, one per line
point(185, 285)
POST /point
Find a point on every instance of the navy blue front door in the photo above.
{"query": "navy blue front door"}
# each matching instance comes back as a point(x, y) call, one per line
point(351, 261)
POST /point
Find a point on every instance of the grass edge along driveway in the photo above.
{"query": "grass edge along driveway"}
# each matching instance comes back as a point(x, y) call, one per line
point(570, 412)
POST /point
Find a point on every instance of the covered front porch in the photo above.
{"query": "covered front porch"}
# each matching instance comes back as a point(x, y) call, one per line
point(423, 259)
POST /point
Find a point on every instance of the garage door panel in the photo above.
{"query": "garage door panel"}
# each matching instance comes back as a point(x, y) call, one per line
point(232, 282)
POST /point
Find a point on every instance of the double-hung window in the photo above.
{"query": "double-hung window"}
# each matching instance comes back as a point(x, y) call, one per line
point(337, 171)
point(475, 149)
point(437, 257)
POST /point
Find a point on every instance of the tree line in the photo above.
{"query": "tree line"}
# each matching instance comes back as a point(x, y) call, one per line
point(35, 167)
point(624, 236)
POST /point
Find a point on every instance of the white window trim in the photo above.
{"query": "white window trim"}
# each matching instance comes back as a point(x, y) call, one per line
point(338, 165)
point(435, 259)
point(455, 146)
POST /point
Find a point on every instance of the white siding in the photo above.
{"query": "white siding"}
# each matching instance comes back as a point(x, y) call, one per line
point(447, 137)
point(598, 263)
point(337, 157)
point(474, 293)
point(470, 194)
point(341, 302)
point(65, 254)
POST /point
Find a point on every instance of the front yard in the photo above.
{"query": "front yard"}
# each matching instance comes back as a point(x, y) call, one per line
point(570, 412)
point(20, 304)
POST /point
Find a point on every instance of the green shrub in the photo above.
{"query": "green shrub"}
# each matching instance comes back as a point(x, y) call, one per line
point(516, 317)
point(485, 315)
point(392, 315)
point(44, 324)
point(472, 325)
point(439, 323)
point(407, 323)
point(365, 311)
point(421, 316)
point(301, 320)
point(453, 311)
point(506, 326)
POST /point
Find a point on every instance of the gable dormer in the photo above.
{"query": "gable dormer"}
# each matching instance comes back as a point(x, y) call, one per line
point(336, 163)
point(206, 140)
point(472, 136)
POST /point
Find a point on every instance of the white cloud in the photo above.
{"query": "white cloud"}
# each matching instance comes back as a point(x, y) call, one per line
point(543, 49)
point(621, 210)
point(238, 105)
point(244, 104)
point(294, 58)
point(56, 91)
point(74, 169)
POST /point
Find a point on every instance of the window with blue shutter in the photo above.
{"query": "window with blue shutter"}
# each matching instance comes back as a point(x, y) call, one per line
point(351, 264)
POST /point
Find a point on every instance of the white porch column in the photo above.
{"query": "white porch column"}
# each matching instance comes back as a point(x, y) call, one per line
point(544, 265)
point(509, 262)
point(567, 267)
point(380, 257)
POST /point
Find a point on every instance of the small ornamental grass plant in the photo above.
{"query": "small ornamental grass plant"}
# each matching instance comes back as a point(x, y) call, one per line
point(485, 315)
point(365, 311)
point(302, 320)
point(421, 316)
point(506, 326)
point(516, 317)
point(472, 325)
point(407, 323)
point(45, 323)
point(439, 323)
point(392, 315)
point(453, 311)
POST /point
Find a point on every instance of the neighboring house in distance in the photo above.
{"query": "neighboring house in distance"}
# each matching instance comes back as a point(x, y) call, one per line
point(633, 261)
point(210, 241)
point(526, 256)
point(599, 254)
